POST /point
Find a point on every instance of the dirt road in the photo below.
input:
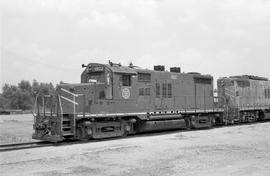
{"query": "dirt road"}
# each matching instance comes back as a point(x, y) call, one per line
point(237, 150)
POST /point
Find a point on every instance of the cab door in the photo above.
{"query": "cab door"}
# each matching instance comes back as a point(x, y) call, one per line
point(125, 87)
point(200, 96)
point(203, 91)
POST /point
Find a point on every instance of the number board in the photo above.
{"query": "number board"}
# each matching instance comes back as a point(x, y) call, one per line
point(97, 69)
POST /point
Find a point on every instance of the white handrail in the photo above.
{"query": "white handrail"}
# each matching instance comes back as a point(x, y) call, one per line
point(69, 100)
point(76, 95)
point(74, 119)
point(60, 105)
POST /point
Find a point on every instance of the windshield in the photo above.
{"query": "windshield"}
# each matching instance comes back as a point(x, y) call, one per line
point(96, 78)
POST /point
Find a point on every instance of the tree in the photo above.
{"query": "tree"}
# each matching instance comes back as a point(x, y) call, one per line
point(24, 95)
point(3, 102)
point(11, 97)
point(25, 86)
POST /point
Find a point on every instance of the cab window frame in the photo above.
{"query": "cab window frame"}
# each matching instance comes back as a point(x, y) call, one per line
point(125, 80)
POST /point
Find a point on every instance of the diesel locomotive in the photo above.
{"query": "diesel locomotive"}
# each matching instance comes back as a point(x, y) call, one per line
point(246, 97)
point(114, 100)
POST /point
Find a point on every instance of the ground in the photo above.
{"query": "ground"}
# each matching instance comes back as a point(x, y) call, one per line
point(235, 150)
point(16, 128)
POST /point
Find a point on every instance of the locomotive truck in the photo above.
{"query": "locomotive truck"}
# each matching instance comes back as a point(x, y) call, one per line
point(114, 100)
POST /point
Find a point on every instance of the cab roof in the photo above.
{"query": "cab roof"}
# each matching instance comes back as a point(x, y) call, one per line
point(121, 69)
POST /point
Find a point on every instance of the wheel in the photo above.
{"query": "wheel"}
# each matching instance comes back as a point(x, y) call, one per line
point(82, 134)
point(188, 123)
point(211, 122)
point(126, 129)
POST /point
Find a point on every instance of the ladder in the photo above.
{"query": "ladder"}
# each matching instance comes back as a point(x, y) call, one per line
point(68, 125)
point(68, 121)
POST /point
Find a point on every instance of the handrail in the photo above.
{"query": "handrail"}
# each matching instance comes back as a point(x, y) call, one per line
point(74, 116)
point(73, 101)
point(60, 103)
point(76, 95)
point(69, 100)
point(61, 114)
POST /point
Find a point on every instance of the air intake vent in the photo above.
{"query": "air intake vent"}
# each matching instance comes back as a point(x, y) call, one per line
point(175, 69)
point(159, 68)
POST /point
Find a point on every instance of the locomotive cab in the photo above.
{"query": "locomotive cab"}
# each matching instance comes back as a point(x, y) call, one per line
point(101, 77)
point(112, 82)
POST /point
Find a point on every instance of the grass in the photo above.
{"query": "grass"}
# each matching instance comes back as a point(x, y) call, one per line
point(16, 128)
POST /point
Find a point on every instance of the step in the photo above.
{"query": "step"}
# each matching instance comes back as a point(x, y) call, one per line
point(67, 133)
point(66, 119)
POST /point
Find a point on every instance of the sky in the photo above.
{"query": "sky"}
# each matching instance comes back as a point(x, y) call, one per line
point(48, 40)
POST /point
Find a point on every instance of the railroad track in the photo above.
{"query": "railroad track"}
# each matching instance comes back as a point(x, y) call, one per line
point(21, 146)
point(29, 145)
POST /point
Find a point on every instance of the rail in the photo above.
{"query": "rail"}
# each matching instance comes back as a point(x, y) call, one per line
point(22, 146)
point(45, 106)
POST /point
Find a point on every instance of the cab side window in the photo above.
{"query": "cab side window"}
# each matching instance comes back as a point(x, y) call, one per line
point(164, 90)
point(126, 80)
point(169, 90)
point(157, 90)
